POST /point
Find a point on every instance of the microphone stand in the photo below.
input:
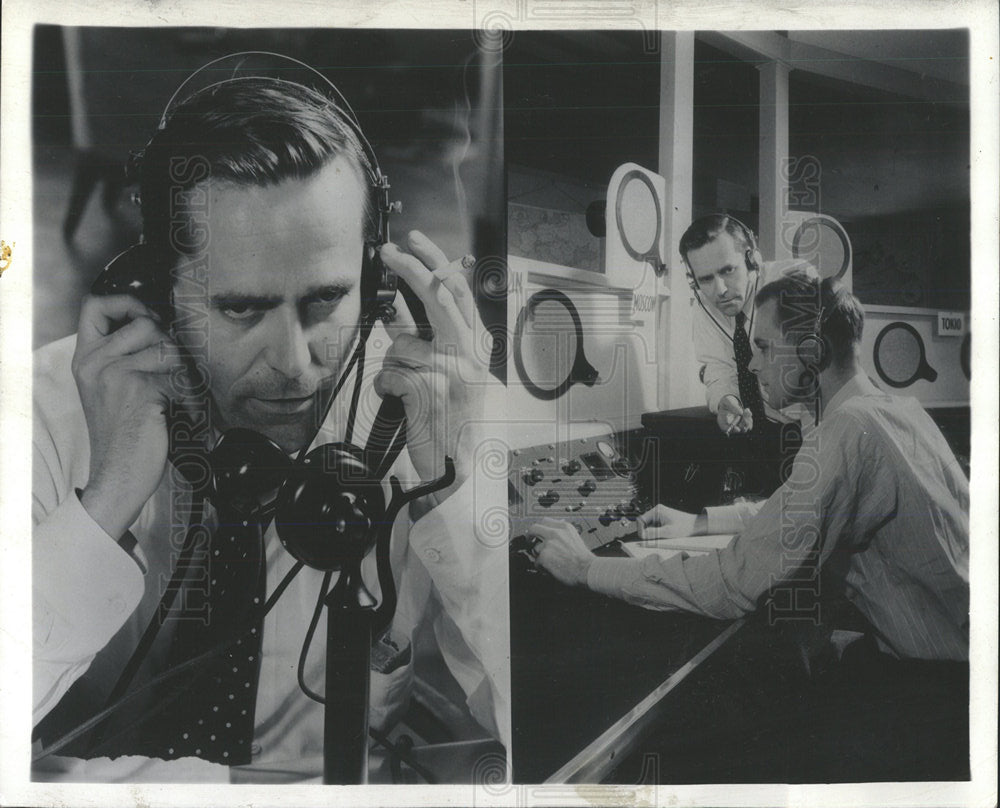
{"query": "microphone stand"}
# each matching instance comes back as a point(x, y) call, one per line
point(352, 622)
point(350, 615)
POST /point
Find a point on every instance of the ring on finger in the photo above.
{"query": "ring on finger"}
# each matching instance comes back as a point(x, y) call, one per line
point(468, 261)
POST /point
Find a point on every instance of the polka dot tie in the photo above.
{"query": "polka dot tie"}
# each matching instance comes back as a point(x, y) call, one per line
point(214, 718)
point(749, 386)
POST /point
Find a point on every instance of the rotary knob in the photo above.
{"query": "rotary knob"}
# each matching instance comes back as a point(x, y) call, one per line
point(572, 467)
point(535, 476)
point(549, 498)
point(588, 487)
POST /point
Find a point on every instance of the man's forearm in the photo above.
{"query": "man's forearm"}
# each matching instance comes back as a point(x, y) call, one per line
point(84, 589)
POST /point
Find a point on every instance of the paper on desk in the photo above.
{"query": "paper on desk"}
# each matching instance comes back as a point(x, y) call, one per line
point(665, 548)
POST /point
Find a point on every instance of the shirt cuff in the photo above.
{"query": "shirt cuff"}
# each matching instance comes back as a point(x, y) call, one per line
point(715, 393)
point(608, 576)
point(724, 519)
point(85, 585)
point(461, 534)
point(128, 543)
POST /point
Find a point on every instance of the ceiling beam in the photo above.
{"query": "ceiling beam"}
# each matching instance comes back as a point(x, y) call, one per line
point(764, 46)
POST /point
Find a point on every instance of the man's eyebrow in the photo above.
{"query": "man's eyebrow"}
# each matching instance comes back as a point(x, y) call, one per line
point(312, 294)
point(226, 300)
point(341, 288)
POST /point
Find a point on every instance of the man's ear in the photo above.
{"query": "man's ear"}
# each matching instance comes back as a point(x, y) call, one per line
point(754, 260)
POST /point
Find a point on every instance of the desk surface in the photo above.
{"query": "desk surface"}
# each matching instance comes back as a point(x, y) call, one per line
point(589, 675)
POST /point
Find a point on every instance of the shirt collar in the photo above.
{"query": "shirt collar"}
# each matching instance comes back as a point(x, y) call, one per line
point(857, 385)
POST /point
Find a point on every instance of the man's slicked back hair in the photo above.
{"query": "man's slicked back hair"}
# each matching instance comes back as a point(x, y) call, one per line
point(708, 228)
point(249, 132)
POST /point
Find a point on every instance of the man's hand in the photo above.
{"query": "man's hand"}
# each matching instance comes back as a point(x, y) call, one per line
point(662, 522)
point(124, 379)
point(732, 417)
point(442, 382)
point(562, 552)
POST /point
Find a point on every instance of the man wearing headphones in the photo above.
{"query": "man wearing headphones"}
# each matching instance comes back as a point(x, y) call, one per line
point(726, 269)
point(262, 197)
point(877, 502)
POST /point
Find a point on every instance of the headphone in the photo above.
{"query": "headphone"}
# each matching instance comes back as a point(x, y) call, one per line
point(813, 348)
point(328, 506)
point(754, 260)
point(143, 270)
point(245, 466)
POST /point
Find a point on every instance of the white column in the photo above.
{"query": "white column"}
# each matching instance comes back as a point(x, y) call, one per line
point(678, 384)
point(773, 181)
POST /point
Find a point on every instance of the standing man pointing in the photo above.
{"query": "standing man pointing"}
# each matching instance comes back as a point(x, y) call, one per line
point(726, 270)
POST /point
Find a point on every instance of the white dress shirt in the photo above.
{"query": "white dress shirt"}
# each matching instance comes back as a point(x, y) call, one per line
point(450, 567)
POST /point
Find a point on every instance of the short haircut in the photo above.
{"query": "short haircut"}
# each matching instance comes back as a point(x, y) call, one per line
point(805, 303)
point(707, 228)
point(250, 132)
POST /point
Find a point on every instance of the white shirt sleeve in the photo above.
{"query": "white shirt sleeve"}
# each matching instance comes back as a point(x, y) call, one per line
point(84, 585)
point(731, 518)
point(462, 543)
point(84, 589)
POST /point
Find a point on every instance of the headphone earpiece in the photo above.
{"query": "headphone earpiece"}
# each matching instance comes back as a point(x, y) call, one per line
point(139, 271)
point(813, 349)
point(753, 257)
point(378, 285)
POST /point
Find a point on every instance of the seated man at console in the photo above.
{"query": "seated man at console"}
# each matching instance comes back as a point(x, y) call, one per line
point(875, 495)
point(263, 199)
point(726, 270)
point(875, 501)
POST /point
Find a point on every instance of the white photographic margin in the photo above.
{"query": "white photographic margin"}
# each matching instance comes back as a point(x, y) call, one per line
point(19, 16)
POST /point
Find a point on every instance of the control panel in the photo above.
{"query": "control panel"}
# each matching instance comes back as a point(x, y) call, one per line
point(600, 485)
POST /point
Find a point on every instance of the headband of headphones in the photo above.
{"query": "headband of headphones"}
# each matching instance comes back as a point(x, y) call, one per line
point(248, 65)
point(275, 67)
point(378, 282)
